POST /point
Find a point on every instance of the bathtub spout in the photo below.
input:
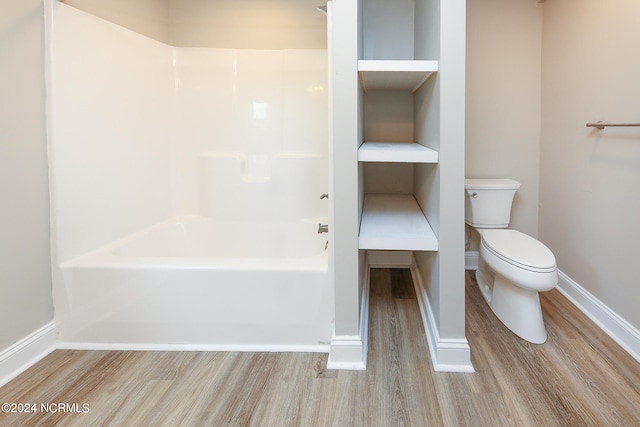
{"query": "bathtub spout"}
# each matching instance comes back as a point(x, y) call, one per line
point(323, 228)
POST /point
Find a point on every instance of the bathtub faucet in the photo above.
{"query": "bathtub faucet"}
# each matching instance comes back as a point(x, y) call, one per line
point(323, 228)
point(324, 196)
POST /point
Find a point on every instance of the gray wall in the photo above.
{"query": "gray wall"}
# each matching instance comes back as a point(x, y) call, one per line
point(246, 24)
point(536, 74)
point(25, 266)
point(589, 179)
point(148, 17)
point(439, 124)
point(504, 42)
point(344, 216)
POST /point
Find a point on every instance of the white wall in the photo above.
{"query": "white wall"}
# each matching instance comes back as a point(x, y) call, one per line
point(504, 42)
point(589, 179)
point(25, 266)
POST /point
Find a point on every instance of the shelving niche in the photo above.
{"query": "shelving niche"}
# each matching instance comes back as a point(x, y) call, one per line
point(395, 221)
point(385, 74)
point(397, 114)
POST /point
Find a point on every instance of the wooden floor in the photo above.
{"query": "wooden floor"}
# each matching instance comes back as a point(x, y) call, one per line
point(578, 378)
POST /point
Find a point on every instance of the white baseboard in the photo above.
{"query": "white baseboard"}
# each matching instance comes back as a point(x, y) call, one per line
point(389, 259)
point(447, 355)
point(609, 321)
point(471, 260)
point(26, 352)
point(349, 352)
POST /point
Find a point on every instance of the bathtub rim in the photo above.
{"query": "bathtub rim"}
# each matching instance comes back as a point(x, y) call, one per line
point(105, 255)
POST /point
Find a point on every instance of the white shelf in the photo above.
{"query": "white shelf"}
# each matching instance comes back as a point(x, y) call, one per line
point(402, 152)
point(395, 75)
point(395, 222)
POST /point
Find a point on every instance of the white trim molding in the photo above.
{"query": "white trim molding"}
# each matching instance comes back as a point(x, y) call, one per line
point(471, 260)
point(349, 352)
point(28, 351)
point(609, 321)
point(389, 259)
point(447, 355)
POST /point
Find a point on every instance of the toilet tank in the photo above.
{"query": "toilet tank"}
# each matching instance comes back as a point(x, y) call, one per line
point(488, 202)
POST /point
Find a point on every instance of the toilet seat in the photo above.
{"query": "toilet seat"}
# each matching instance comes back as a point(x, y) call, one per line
point(519, 250)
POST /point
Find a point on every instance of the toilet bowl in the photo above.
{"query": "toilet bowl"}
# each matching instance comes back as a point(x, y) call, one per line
point(513, 266)
point(519, 258)
point(519, 267)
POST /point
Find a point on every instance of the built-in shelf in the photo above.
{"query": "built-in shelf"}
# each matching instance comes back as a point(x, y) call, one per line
point(402, 152)
point(395, 222)
point(395, 75)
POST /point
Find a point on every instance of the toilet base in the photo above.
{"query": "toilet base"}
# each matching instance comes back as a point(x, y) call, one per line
point(516, 307)
point(484, 283)
point(519, 309)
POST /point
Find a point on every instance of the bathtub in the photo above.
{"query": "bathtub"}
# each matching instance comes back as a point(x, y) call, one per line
point(201, 284)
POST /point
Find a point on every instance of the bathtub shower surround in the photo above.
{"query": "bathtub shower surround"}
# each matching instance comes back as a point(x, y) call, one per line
point(185, 188)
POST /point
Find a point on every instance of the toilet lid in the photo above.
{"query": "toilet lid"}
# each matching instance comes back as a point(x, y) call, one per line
point(519, 249)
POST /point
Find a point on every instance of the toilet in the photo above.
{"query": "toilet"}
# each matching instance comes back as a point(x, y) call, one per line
point(513, 266)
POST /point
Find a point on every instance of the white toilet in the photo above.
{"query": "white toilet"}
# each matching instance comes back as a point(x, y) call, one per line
point(513, 266)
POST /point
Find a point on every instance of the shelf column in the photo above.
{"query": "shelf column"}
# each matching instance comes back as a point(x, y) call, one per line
point(346, 262)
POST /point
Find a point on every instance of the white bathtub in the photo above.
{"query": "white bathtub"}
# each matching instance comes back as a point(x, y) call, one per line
point(202, 284)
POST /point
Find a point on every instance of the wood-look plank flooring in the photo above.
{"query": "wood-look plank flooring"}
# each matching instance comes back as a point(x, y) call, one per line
point(580, 377)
